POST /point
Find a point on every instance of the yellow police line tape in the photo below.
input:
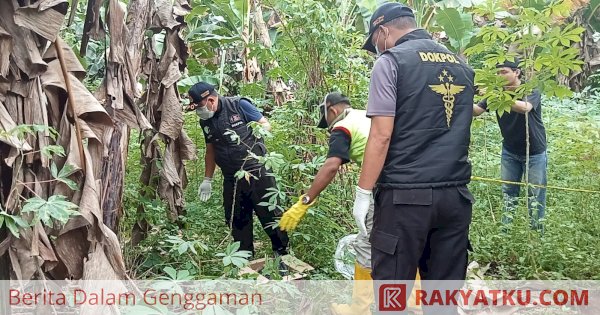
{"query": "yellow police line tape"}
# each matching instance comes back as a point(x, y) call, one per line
point(485, 179)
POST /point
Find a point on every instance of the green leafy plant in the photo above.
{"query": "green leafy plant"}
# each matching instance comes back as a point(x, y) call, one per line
point(12, 222)
point(234, 256)
point(56, 208)
point(182, 247)
point(63, 175)
point(458, 27)
point(545, 49)
point(332, 46)
point(175, 275)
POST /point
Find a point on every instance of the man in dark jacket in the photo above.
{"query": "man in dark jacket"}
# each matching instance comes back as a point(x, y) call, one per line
point(229, 141)
point(420, 103)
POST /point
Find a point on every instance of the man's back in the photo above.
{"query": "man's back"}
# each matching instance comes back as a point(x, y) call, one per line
point(433, 112)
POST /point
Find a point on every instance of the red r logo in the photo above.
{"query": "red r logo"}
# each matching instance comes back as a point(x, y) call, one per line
point(392, 297)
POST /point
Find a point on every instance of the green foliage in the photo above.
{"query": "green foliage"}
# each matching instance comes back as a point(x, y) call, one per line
point(94, 61)
point(176, 275)
point(297, 149)
point(12, 222)
point(56, 208)
point(491, 9)
point(51, 150)
point(590, 16)
point(566, 249)
point(545, 51)
point(21, 131)
point(325, 57)
point(36, 209)
point(181, 246)
point(458, 26)
point(234, 256)
point(63, 175)
point(234, 259)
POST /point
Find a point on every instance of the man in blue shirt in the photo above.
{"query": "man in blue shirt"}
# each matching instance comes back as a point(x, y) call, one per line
point(224, 122)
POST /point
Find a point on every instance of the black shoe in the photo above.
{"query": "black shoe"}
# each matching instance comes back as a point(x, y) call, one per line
point(284, 269)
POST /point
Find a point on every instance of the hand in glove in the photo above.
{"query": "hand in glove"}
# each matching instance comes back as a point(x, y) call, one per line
point(293, 215)
point(362, 202)
point(205, 189)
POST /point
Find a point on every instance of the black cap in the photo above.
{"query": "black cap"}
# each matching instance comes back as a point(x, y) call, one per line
point(200, 91)
point(383, 14)
point(330, 99)
point(510, 64)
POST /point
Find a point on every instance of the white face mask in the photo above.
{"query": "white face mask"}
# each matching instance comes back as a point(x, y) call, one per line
point(204, 113)
point(377, 46)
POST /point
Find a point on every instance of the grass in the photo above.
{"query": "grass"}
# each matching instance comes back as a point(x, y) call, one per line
point(568, 249)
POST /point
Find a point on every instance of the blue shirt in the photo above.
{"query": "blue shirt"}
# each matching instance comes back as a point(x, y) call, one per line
point(250, 111)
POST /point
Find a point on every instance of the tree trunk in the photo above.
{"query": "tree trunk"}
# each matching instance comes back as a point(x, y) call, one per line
point(44, 90)
point(589, 53)
point(166, 142)
point(251, 69)
point(120, 95)
point(275, 85)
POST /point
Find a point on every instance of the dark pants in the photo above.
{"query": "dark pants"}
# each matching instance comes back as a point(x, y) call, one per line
point(247, 198)
point(424, 228)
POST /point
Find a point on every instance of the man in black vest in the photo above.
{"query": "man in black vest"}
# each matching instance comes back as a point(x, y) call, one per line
point(420, 102)
point(224, 122)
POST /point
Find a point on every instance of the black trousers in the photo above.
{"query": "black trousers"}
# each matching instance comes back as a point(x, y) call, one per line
point(424, 228)
point(245, 198)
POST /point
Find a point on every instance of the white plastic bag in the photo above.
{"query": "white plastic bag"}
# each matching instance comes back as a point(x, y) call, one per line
point(345, 256)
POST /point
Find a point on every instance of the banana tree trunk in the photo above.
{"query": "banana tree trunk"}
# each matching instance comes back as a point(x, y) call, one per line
point(589, 54)
point(275, 85)
point(120, 92)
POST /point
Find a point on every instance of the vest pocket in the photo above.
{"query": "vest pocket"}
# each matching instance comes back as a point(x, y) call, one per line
point(417, 197)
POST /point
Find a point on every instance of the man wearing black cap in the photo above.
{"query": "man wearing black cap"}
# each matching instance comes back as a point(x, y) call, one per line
point(224, 122)
point(513, 161)
point(349, 132)
point(420, 103)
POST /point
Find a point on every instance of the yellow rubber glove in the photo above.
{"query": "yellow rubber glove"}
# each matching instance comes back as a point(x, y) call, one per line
point(294, 214)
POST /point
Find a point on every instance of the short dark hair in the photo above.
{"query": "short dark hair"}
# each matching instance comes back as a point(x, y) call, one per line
point(342, 103)
point(403, 23)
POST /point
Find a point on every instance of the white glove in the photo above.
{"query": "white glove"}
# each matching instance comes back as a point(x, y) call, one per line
point(205, 189)
point(361, 208)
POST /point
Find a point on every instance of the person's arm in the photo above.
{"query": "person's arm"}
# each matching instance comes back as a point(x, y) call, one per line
point(264, 122)
point(522, 107)
point(531, 102)
point(339, 153)
point(480, 108)
point(381, 108)
point(209, 161)
point(324, 177)
point(376, 151)
point(253, 114)
point(477, 110)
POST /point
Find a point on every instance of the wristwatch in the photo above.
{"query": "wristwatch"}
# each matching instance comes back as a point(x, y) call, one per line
point(305, 199)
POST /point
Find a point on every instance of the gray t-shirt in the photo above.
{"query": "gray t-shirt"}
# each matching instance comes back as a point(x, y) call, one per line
point(382, 88)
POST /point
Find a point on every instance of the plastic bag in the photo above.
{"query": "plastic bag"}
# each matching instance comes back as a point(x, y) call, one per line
point(345, 256)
